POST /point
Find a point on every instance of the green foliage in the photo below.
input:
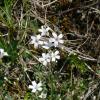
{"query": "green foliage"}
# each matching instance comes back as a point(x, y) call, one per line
point(1, 80)
point(6, 13)
point(28, 96)
point(78, 63)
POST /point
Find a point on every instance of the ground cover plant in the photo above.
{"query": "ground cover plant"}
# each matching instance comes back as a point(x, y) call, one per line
point(49, 50)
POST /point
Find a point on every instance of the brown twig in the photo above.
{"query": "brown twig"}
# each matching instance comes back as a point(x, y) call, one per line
point(81, 7)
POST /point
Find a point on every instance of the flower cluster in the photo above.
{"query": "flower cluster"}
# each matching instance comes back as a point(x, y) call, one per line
point(2, 53)
point(47, 57)
point(47, 39)
point(37, 87)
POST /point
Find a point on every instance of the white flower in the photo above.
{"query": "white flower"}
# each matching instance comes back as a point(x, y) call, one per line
point(2, 53)
point(55, 56)
point(44, 30)
point(43, 95)
point(35, 87)
point(45, 58)
point(36, 40)
point(56, 40)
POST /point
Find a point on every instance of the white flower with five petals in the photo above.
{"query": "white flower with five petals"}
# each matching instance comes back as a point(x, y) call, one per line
point(36, 40)
point(56, 40)
point(2, 53)
point(44, 30)
point(35, 87)
point(43, 95)
point(55, 55)
point(45, 58)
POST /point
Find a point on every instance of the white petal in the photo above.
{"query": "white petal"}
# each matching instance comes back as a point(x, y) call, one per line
point(56, 43)
point(52, 54)
point(56, 52)
point(34, 83)
point(30, 87)
point(46, 47)
point(54, 34)
point(43, 55)
point(1, 50)
point(60, 36)
point(61, 41)
point(44, 63)
point(40, 96)
point(35, 45)
point(42, 27)
point(33, 37)
point(48, 60)
point(34, 90)
point(40, 42)
point(39, 84)
point(43, 33)
point(53, 59)
point(51, 40)
point(57, 57)
point(48, 55)
point(40, 30)
point(5, 54)
point(54, 40)
point(39, 88)
point(38, 37)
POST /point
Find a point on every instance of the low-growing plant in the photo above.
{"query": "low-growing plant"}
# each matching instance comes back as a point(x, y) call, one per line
point(34, 62)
